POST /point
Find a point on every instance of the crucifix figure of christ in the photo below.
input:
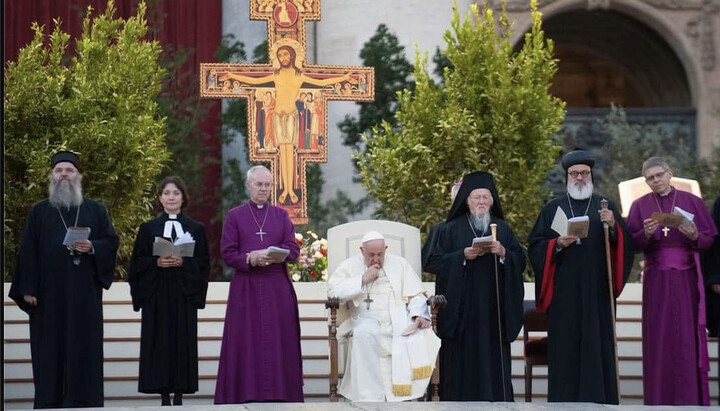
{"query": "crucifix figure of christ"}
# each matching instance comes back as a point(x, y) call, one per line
point(287, 99)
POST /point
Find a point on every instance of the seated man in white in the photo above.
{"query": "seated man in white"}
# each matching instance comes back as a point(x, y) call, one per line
point(392, 351)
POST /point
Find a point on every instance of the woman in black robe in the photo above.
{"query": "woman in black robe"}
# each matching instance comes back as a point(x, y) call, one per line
point(169, 290)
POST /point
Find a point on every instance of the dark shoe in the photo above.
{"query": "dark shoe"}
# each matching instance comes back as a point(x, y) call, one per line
point(177, 399)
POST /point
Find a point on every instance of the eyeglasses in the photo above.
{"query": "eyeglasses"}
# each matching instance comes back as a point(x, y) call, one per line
point(583, 173)
point(655, 176)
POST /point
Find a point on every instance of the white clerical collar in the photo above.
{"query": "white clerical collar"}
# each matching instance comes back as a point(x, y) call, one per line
point(668, 193)
point(172, 216)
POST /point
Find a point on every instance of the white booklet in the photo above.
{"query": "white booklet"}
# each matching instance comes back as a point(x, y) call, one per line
point(76, 234)
point(688, 216)
point(576, 226)
point(483, 243)
point(277, 253)
point(184, 246)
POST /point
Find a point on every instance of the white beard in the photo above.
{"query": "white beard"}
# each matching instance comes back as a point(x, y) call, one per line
point(65, 195)
point(580, 193)
point(481, 222)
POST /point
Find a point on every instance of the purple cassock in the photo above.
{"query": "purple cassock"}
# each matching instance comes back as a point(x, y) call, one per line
point(260, 357)
point(675, 354)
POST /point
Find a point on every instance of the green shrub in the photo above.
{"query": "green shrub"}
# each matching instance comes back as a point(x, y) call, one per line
point(494, 113)
point(99, 102)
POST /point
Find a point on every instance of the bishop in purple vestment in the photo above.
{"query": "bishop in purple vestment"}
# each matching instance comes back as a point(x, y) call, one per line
point(260, 357)
point(675, 356)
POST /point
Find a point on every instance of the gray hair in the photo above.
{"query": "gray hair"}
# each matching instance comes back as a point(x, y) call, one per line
point(252, 171)
point(655, 162)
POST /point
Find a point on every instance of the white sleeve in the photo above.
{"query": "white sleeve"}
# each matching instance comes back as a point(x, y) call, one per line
point(344, 286)
point(417, 307)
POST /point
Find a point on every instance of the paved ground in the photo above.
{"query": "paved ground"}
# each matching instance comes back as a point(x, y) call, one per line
point(406, 406)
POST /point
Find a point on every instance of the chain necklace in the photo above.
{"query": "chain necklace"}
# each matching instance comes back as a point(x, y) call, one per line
point(260, 226)
point(76, 257)
point(473, 228)
point(666, 229)
point(369, 287)
point(571, 207)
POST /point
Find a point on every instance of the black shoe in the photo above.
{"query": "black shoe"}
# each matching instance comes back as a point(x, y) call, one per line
point(177, 399)
point(165, 399)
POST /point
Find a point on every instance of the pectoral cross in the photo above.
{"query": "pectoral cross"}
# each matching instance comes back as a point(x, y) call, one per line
point(287, 99)
point(665, 230)
point(260, 233)
point(368, 300)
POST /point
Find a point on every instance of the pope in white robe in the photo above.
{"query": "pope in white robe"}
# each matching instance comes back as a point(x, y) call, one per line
point(384, 318)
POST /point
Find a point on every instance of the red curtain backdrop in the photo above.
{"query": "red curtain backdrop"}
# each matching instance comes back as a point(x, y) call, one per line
point(191, 24)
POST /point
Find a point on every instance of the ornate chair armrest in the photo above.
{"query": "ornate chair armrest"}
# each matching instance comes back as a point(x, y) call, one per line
point(437, 301)
point(333, 303)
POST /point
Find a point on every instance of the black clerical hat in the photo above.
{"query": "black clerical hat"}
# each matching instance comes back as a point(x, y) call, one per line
point(65, 156)
point(577, 157)
point(473, 181)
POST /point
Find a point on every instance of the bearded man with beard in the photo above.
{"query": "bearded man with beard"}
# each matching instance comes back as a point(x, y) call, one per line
point(475, 350)
point(60, 287)
point(571, 285)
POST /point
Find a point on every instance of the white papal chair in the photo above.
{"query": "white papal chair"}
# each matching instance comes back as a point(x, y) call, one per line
point(344, 242)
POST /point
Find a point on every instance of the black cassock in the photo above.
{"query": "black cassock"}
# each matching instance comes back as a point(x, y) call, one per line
point(169, 299)
point(471, 365)
point(66, 326)
point(572, 285)
point(711, 274)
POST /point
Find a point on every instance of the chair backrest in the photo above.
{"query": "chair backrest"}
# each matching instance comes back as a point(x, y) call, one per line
point(631, 190)
point(401, 239)
point(534, 320)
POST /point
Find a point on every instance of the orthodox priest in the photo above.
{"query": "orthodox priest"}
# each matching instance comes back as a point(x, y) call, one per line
point(571, 285)
point(67, 256)
point(675, 372)
point(169, 289)
point(260, 355)
point(484, 291)
point(392, 351)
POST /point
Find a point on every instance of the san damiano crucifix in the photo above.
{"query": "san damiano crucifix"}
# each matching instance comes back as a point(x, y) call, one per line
point(287, 99)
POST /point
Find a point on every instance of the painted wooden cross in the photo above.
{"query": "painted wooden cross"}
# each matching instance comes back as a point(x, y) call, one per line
point(287, 99)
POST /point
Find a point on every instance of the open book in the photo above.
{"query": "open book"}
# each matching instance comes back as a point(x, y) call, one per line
point(277, 253)
point(483, 243)
point(184, 246)
point(677, 217)
point(576, 226)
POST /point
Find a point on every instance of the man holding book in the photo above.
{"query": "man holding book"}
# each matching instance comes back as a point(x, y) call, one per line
point(571, 285)
point(675, 357)
point(479, 264)
point(260, 357)
point(67, 257)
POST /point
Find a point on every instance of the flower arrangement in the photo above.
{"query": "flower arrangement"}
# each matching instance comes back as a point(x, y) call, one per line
point(312, 264)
